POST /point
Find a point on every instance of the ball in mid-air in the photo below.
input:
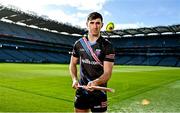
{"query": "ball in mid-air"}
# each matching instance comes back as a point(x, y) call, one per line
point(110, 27)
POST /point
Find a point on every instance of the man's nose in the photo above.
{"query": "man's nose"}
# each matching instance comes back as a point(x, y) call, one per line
point(95, 25)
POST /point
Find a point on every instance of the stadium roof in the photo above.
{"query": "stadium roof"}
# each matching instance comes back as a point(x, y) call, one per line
point(16, 15)
point(159, 30)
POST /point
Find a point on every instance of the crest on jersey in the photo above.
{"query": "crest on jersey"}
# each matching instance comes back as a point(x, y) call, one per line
point(98, 51)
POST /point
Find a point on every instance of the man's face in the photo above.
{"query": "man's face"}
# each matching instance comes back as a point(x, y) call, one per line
point(94, 26)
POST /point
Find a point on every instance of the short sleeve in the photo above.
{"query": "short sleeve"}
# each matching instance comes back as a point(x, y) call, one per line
point(75, 51)
point(109, 52)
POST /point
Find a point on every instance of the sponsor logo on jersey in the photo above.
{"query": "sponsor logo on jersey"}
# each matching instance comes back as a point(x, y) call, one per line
point(87, 61)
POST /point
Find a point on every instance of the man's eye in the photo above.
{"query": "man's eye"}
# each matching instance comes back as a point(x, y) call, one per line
point(91, 22)
point(97, 22)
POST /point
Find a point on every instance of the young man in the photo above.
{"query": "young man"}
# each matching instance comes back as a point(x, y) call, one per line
point(96, 56)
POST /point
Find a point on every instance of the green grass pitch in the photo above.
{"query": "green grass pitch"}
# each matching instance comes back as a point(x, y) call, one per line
point(47, 88)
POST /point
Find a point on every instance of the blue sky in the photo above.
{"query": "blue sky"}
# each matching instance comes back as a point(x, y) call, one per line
point(145, 12)
point(124, 13)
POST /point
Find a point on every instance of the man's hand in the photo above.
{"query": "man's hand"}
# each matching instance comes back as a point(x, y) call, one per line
point(75, 84)
point(90, 85)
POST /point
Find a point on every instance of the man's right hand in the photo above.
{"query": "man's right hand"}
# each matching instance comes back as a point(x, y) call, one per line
point(75, 84)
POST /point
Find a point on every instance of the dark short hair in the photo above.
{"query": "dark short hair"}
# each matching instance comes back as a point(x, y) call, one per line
point(94, 15)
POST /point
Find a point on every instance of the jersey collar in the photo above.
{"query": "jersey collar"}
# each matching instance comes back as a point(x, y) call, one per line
point(98, 40)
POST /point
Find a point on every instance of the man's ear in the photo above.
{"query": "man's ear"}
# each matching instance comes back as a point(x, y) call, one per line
point(86, 24)
point(102, 25)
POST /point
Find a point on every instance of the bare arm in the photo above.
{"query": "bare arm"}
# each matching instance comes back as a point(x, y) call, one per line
point(73, 71)
point(108, 66)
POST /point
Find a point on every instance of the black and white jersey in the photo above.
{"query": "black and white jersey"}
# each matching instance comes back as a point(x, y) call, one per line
point(90, 69)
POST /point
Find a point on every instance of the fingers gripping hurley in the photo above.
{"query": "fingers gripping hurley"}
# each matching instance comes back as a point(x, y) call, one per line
point(99, 88)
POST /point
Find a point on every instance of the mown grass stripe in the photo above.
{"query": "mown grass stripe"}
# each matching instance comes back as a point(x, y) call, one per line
point(35, 93)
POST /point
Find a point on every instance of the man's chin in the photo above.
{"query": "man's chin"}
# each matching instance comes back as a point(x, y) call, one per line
point(95, 34)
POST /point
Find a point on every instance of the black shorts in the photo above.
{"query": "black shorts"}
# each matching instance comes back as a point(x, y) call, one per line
point(96, 100)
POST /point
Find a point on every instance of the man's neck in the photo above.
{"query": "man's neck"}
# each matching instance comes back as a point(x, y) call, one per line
point(92, 38)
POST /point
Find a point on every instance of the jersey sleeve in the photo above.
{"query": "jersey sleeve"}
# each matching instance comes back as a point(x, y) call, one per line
point(109, 53)
point(75, 51)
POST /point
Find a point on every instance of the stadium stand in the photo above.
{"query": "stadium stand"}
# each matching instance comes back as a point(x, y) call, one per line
point(23, 43)
point(157, 49)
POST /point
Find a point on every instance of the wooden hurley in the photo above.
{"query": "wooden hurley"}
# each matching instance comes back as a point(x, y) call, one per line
point(99, 88)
